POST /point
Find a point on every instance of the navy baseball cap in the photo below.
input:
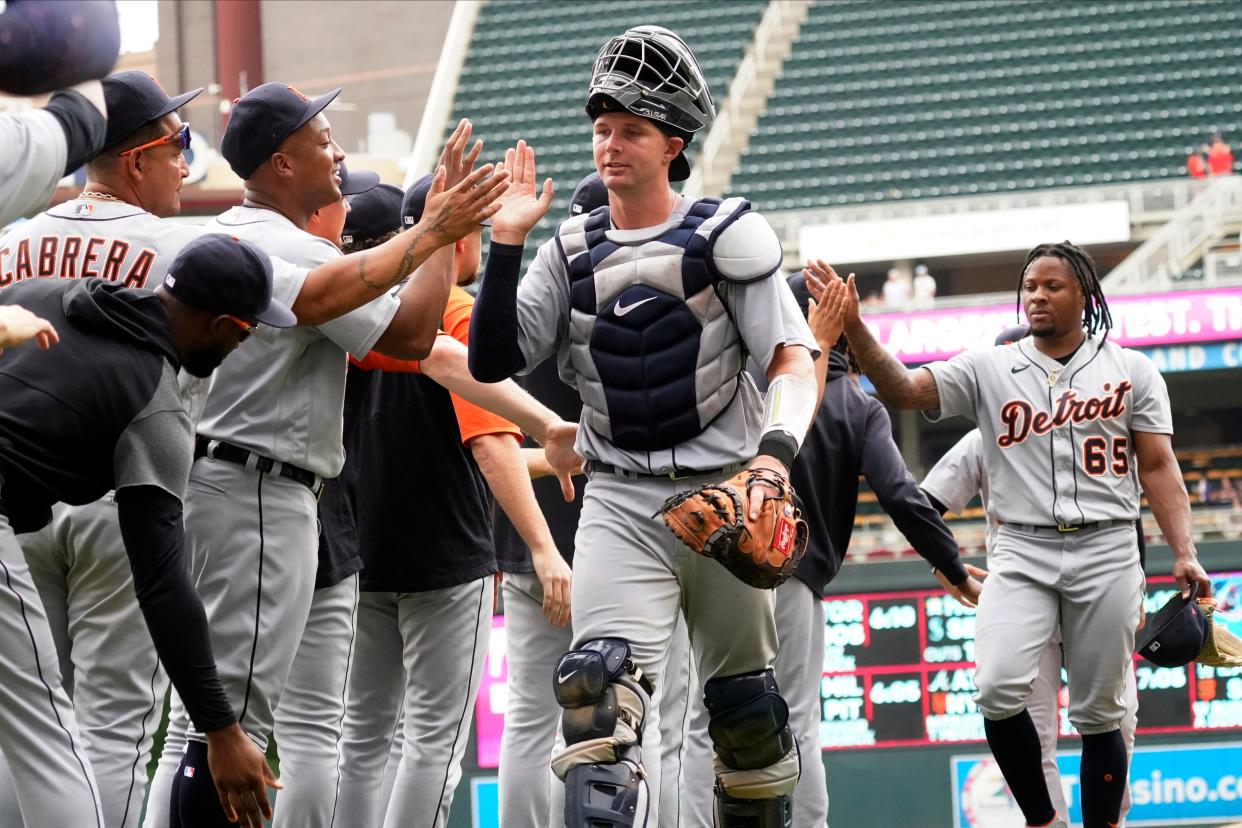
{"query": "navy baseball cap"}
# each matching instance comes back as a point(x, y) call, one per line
point(416, 199)
point(589, 195)
point(227, 275)
point(1013, 334)
point(1176, 634)
point(262, 119)
point(357, 183)
point(135, 98)
point(373, 213)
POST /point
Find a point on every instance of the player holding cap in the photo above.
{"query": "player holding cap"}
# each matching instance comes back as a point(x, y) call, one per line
point(1071, 425)
point(271, 434)
point(103, 410)
point(951, 485)
point(650, 305)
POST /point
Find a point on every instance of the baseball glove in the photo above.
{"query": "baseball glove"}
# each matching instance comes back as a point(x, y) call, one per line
point(714, 521)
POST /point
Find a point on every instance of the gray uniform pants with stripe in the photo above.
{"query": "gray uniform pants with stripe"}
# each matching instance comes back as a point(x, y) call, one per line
point(1092, 582)
point(108, 664)
point(532, 715)
point(631, 577)
point(418, 662)
point(311, 712)
point(38, 730)
point(799, 669)
point(253, 544)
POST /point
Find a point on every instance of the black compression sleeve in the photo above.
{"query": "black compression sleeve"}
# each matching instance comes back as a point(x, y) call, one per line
point(936, 504)
point(494, 351)
point(905, 502)
point(84, 126)
point(154, 537)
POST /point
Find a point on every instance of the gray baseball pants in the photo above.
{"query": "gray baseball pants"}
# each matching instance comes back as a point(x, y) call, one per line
point(1092, 582)
point(799, 670)
point(631, 578)
point(38, 730)
point(532, 715)
point(108, 664)
point(419, 657)
point(686, 775)
point(253, 543)
point(311, 712)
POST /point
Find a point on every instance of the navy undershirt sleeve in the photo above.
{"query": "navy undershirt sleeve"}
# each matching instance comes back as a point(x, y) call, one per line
point(905, 502)
point(494, 351)
point(154, 537)
point(85, 127)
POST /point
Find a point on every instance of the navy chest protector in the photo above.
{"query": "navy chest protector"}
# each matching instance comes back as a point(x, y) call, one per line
point(656, 354)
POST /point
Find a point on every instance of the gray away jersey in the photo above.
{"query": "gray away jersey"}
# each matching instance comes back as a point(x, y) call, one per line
point(1057, 439)
point(283, 394)
point(765, 312)
point(33, 153)
point(958, 476)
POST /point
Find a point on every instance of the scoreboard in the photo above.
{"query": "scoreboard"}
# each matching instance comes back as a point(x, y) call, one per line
point(899, 671)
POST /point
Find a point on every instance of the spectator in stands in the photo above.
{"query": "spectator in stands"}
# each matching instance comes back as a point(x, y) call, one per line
point(924, 286)
point(1196, 163)
point(1203, 491)
point(1219, 156)
point(897, 288)
point(1229, 493)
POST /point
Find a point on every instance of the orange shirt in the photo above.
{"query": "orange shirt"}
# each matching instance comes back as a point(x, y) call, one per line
point(1220, 159)
point(472, 421)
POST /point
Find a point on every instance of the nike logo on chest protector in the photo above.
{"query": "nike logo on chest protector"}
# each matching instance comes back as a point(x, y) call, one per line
point(621, 310)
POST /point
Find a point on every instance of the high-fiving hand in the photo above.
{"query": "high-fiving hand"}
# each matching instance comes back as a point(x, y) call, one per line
point(521, 207)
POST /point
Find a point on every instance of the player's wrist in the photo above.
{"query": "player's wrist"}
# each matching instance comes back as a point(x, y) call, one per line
point(770, 462)
point(509, 235)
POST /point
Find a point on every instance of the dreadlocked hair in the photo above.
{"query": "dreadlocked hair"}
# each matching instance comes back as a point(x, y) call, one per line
point(1095, 315)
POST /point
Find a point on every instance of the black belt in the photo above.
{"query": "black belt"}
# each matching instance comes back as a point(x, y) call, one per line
point(1068, 529)
point(592, 466)
point(220, 450)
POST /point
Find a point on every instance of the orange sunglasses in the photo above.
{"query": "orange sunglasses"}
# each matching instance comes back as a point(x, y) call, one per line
point(181, 138)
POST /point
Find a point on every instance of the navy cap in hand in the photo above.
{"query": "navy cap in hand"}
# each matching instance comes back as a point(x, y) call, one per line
point(1176, 634)
point(262, 119)
point(588, 195)
point(1014, 334)
point(373, 214)
point(226, 275)
point(134, 99)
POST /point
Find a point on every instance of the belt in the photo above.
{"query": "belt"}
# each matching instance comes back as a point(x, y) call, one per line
point(1068, 529)
point(592, 466)
point(220, 450)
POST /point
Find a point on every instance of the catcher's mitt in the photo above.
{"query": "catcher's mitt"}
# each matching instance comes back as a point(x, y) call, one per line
point(714, 521)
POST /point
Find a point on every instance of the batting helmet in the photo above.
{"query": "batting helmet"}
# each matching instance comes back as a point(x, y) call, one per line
point(651, 72)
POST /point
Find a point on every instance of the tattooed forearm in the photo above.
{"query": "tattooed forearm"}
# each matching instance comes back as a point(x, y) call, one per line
point(362, 274)
point(896, 384)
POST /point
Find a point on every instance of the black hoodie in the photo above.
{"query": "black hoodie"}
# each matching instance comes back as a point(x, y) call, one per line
point(851, 436)
point(62, 411)
point(63, 414)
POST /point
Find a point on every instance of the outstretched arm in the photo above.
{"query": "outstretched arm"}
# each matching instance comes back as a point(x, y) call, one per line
point(18, 325)
point(896, 384)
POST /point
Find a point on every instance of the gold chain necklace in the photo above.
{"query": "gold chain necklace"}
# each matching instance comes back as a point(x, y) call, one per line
point(101, 196)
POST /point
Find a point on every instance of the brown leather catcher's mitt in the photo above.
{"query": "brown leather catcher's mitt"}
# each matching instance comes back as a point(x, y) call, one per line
point(714, 521)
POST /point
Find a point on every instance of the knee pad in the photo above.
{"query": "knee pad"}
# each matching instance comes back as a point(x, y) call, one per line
point(605, 698)
point(756, 755)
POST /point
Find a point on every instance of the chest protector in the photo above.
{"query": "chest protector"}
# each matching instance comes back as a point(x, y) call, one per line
point(656, 353)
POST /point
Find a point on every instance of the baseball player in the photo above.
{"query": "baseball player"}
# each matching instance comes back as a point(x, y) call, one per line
point(271, 433)
point(408, 686)
point(103, 410)
point(50, 46)
point(650, 305)
point(1071, 425)
point(950, 485)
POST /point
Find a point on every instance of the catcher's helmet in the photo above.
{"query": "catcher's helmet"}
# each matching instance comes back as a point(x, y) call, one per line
point(651, 72)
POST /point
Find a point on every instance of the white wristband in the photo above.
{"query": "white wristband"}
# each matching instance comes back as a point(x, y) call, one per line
point(789, 408)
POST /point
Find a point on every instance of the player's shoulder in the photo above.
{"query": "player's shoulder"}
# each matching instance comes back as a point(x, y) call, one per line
point(747, 247)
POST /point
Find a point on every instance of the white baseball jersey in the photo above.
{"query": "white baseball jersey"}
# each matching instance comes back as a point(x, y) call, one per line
point(89, 237)
point(283, 395)
point(958, 475)
point(1057, 438)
